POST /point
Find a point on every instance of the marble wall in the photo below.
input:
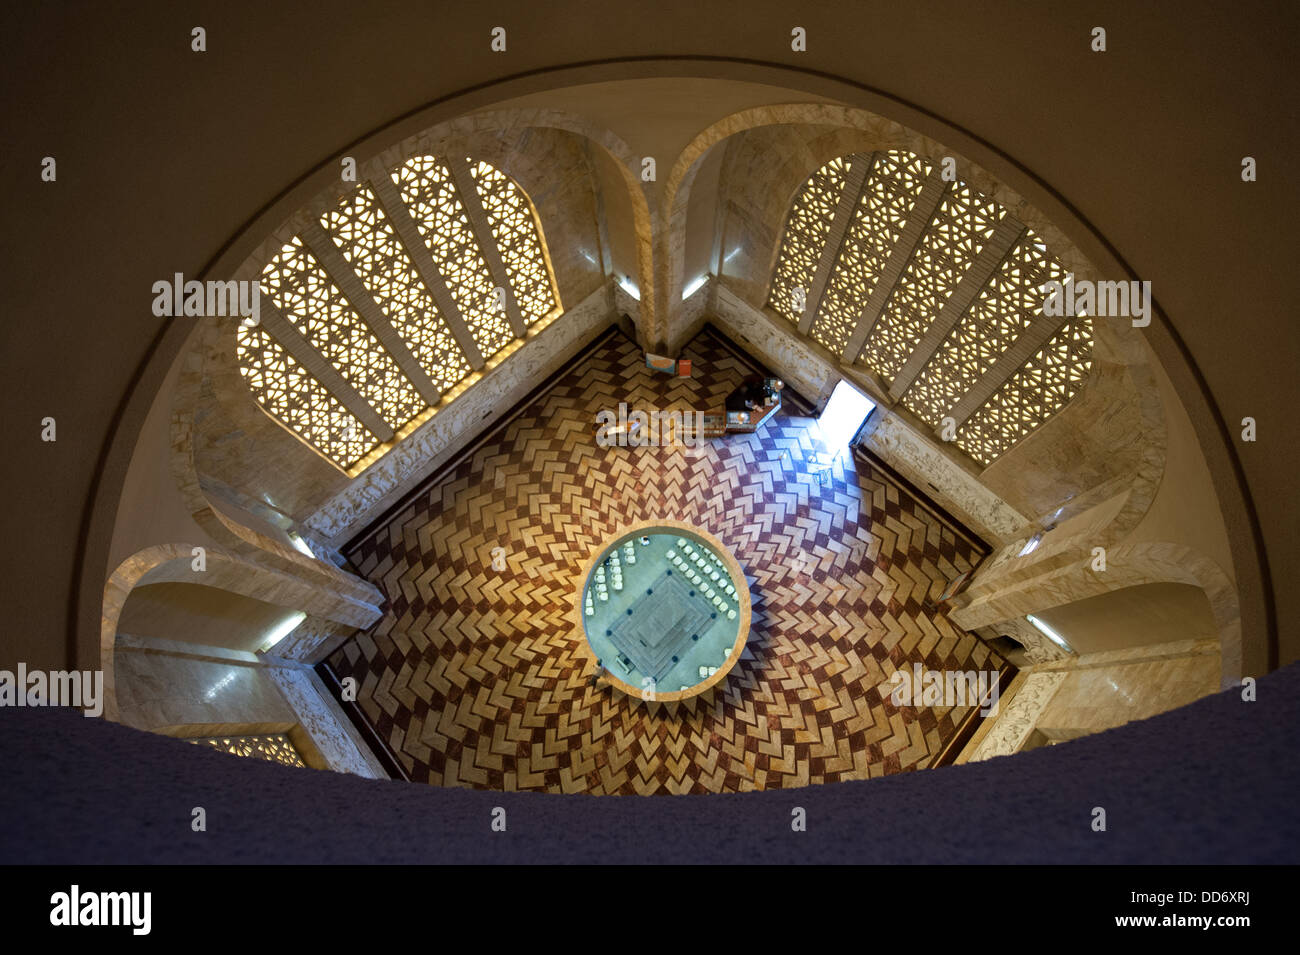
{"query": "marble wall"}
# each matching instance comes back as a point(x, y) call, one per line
point(1104, 690)
point(188, 690)
point(956, 489)
point(1077, 696)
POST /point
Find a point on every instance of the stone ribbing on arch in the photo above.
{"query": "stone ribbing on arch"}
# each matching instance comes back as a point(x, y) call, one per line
point(323, 249)
point(408, 234)
point(473, 205)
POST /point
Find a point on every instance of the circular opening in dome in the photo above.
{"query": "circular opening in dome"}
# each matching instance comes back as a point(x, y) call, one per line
point(665, 611)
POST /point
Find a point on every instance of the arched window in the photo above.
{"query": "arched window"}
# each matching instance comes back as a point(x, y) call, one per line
point(380, 312)
point(934, 289)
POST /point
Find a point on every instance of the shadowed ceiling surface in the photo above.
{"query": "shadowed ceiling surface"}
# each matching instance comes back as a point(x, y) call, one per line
point(165, 155)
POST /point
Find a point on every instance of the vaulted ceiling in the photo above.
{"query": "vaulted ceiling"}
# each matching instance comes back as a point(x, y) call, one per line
point(92, 246)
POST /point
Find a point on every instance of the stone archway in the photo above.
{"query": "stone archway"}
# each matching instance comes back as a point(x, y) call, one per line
point(1127, 565)
point(224, 570)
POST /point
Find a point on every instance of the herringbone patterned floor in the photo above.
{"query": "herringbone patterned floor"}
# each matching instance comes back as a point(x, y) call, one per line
point(477, 677)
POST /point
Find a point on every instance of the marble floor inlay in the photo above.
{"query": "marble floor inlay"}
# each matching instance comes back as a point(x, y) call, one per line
point(477, 675)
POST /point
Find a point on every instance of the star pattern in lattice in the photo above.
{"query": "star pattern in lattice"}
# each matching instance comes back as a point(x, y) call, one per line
point(274, 748)
point(1032, 395)
point(518, 237)
point(806, 232)
point(428, 189)
point(368, 239)
point(369, 242)
point(891, 190)
point(1006, 307)
point(291, 395)
point(962, 225)
point(305, 294)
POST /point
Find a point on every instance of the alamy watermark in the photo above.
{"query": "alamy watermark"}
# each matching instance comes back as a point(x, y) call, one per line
point(653, 428)
point(922, 687)
point(1103, 299)
point(196, 299)
point(80, 688)
point(76, 908)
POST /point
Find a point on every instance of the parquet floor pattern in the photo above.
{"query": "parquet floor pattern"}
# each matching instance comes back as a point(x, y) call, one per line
point(480, 678)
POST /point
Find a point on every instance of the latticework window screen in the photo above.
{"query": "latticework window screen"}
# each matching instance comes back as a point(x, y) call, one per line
point(964, 222)
point(517, 237)
point(1006, 307)
point(333, 331)
point(805, 236)
point(304, 293)
point(429, 191)
point(273, 748)
point(959, 359)
point(368, 241)
point(1036, 392)
point(291, 395)
point(891, 191)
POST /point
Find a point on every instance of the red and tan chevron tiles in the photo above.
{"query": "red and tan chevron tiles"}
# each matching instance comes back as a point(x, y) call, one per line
point(479, 678)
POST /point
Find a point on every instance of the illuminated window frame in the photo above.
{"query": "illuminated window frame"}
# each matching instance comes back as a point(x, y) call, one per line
point(311, 300)
point(950, 241)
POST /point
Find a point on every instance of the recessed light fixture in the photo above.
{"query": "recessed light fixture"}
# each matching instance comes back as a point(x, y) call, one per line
point(1031, 545)
point(1050, 634)
point(282, 630)
point(694, 286)
point(299, 544)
